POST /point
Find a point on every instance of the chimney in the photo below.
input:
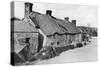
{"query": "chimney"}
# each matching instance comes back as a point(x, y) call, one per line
point(74, 22)
point(49, 12)
point(28, 8)
point(67, 18)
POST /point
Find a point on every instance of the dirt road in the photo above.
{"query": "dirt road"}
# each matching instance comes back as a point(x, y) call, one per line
point(86, 53)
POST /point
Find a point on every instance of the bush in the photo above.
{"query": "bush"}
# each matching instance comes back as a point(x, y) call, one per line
point(46, 53)
point(58, 50)
point(79, 45)
point(34, 58)
point(85, 43)
point(71, 46)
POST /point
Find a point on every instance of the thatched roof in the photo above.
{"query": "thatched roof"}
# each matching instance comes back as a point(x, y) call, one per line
point(50, 25)
point(70, 27)
point(22, 26)
point(82, 29)
point(46, 23)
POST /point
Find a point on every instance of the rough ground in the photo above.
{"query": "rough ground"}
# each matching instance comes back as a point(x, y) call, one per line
point(86, 53)
point(83, 54)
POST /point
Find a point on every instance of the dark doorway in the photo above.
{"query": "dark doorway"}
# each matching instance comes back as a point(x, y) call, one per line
point(40, 39)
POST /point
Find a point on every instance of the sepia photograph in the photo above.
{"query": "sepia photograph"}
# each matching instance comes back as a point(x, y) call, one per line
point(50, 33)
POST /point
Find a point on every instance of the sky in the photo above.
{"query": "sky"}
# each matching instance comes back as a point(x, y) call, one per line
point(84, 15)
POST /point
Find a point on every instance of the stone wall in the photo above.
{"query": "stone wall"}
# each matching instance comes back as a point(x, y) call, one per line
point(20, 38)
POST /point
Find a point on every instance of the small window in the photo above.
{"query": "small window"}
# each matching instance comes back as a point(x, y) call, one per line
point(58, 43)
point(27, 40)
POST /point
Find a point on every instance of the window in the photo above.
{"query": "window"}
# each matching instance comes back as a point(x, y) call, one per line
point(58, 43)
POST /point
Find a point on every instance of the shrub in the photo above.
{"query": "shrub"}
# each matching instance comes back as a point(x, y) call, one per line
point(71, 46)
point(79, 45)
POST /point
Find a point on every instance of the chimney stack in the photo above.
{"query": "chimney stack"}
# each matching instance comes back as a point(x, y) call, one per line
point(28, 8)
point(67, 18)
point(49, 12)
point(74, 22)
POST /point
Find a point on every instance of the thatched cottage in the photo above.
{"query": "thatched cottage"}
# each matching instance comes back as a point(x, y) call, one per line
point(38, 30)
